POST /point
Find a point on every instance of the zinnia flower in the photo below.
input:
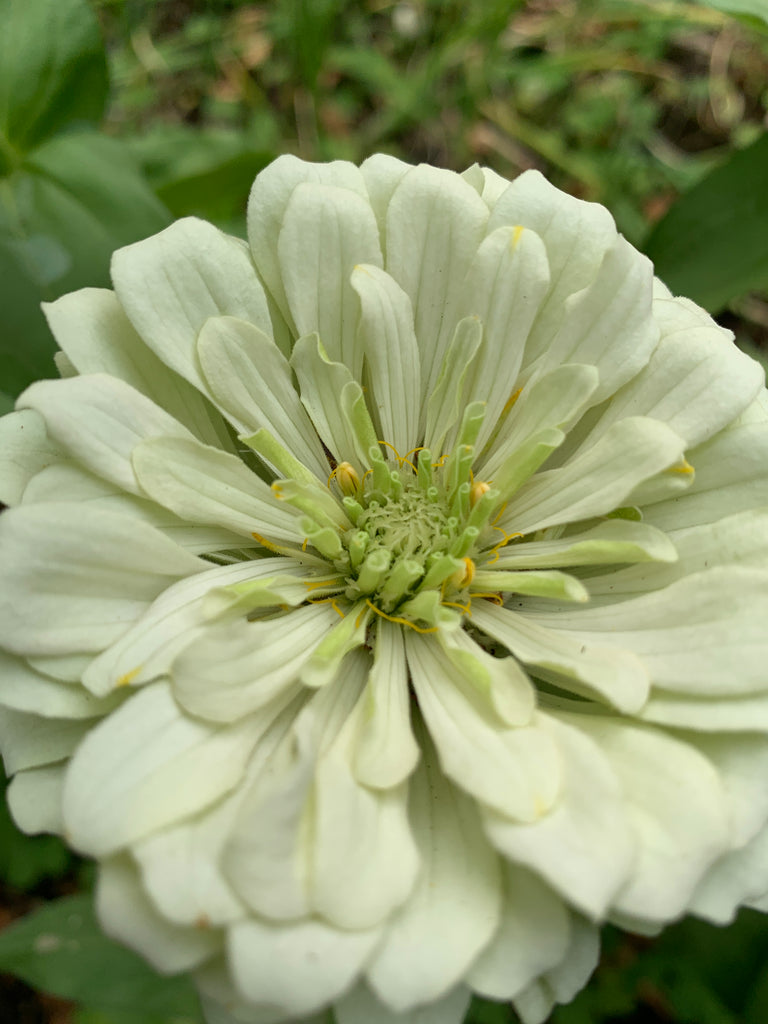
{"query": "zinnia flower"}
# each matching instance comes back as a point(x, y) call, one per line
point(384, 601)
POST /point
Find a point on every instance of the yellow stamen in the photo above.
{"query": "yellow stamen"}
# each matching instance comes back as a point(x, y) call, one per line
point(400, 621)
point(127, 679)
point(478, 489)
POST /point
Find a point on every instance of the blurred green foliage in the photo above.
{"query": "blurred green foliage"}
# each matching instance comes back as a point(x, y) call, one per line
point(116, 116)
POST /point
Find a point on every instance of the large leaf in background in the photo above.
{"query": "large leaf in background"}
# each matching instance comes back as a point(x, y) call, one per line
point(53, 70)
point(60, 949)
point(71, 203)
point(754, 9)
point(712, 245)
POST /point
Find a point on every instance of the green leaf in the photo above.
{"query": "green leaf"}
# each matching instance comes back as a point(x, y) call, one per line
point(60, 949)
point(712, 245)
point(71, 203)
point(752, 8)
point(53, 71)
point(26, 860)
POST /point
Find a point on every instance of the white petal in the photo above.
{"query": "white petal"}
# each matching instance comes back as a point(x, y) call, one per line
point(361, 1006)
point(327, 231)
point(171, 283)
point(514, 771)
point(25, 450)
point(250, 379)
point(147, 650)
point(91, 327)
point(562, 983)
point(34, 799)
point(584, 847)
point(677, 805)
point(596, 481)
point(579, 662)
point(696, 381)
point(737, 878)
point(126, 914)
point(23, 688)
point(610, 324)
point(386, 751)
point(205, 485)
point(181, 870)
point(731, 473)
point(505, 285)
point(703, 634)
point(724, 714)
point(454, 909)
point(296, 967)
point(364, 860)
point(533, 937)
point(444, 404)
point(100, 420)
point(76, 579)
point(387, 339)
point(435, 222)
point(382, 174)
point(27, 740)
point(236, 668)
point(576, 235)
point(269, 198)
point(148, 766)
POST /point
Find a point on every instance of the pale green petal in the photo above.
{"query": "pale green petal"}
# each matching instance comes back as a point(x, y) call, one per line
point(584, 849)
point(435, 222)
point(148, 766)
point(596, 481)
point(505, 285)
point(100, 420)
point(171, 283)
point(97, 336)
point(677, 806)
point(609, 543)
point(321, 381)
point(34, 799)
point(239, 667)
point(533, 937)
point(362, 1007)
point(251, 382)
point(580, 662)
point(515, 771)
point(551, 400)
point(299, 967)
point(444, 406)
point(77, 578)
point(326, 232)
point(386, 751)
point(388, 342)
point(208, 486)
point(126, 914)
point(25, 450)
point(576, 234)
point(707, 714)
point(269, 198)
point(455, 907)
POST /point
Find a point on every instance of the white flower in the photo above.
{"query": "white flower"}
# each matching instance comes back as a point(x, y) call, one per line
point(385, 603)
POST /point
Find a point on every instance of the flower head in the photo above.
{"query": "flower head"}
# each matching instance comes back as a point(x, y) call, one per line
point(385, 599)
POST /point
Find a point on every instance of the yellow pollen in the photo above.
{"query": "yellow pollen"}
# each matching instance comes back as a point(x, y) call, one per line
point(463, 577)
point(127, 679)
point(510, 402)
point(683, 466)
point(479, 488)
point(346, 477)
